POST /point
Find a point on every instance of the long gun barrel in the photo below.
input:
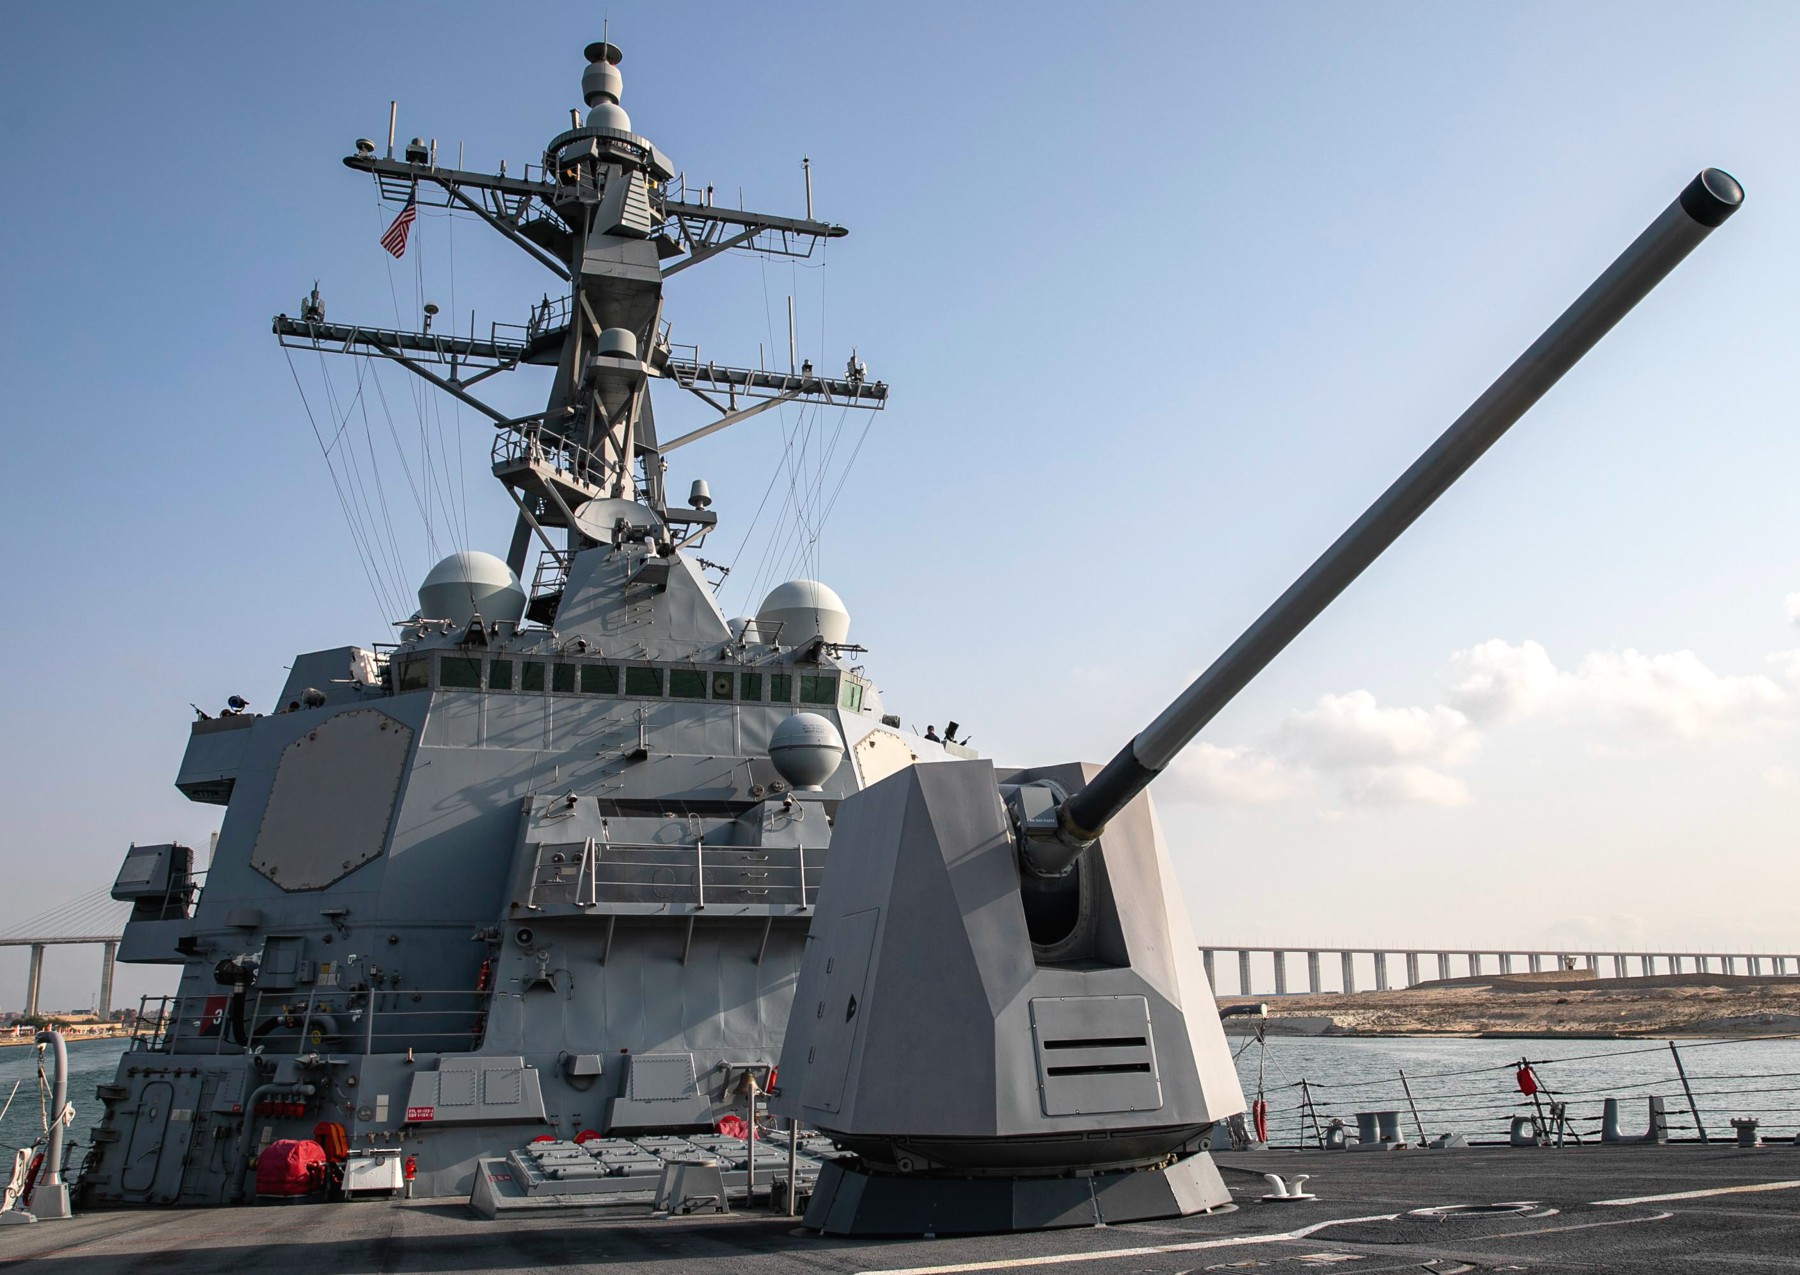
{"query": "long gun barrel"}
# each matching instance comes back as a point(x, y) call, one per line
point(1704, 205)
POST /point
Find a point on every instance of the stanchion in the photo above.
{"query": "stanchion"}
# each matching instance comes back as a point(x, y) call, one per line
point(793, 1191)
point(1693, 1107)
point(1420, 1124)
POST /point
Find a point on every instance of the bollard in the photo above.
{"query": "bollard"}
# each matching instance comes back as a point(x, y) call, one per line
point(1378, 1131)
point(1658, 1132)
point(1746, 1132)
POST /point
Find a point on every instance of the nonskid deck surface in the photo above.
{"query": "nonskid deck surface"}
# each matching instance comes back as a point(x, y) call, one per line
point(1599, 1209)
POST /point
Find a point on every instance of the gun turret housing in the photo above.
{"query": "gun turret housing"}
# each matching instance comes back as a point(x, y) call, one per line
point(1000, 1011)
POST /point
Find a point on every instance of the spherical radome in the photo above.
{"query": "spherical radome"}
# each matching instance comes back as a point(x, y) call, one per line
point(470, 582)
point(806, 749)
point(799, 611)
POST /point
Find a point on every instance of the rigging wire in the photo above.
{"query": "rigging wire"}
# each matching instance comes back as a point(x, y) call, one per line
point(366, 369)
point(388, 574)
point(343, 504)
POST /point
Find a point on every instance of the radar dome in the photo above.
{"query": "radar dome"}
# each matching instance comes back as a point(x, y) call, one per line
point(799, 611)
point(806, 749)
point(466, 583)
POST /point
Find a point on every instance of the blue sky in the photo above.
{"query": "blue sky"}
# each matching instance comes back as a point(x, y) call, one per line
point(1166, 294)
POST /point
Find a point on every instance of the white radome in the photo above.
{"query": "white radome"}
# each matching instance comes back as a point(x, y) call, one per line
point(470, 582)
point(806, 750)
point(799, 611)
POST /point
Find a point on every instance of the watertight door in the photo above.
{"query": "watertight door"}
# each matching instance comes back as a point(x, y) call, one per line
point(840, 1012)
point(144, 1154)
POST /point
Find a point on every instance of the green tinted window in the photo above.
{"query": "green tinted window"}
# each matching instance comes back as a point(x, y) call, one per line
point(500, 675)
point(750, 686)
point(414, 674)
point(781, 688)
point(721, 686)
point(852, 697)
point(460, 671)
point(643, 681)
point(687, 683)
point(562, 677)
point(531, 675)
point(818, 688)
point(599, 679)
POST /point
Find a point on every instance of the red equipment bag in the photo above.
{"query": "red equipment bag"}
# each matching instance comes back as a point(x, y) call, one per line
point(1528, 1084)
point(290, 1167)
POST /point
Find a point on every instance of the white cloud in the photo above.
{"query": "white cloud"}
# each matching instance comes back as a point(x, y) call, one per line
point(1346, 747)
point(1354, 750)
point(1353, 731)
point(1778, 777)
point(1674, 694)
point(1234, 776)
point(1793, 608)
point(1499, 682)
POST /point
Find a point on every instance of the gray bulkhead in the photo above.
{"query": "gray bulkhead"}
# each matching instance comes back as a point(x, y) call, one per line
point(466, 976)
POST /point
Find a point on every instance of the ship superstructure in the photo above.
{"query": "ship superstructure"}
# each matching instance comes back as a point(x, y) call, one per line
point(546, 866)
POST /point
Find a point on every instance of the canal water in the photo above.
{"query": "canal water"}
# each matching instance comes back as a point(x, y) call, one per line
point(1472, 1087)
point(91, 1062)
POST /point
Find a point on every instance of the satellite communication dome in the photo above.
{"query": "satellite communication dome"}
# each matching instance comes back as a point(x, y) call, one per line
point(797, 612)
point(806, 749)
point(466, 583)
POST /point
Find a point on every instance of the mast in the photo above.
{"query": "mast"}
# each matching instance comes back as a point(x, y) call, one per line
point(599, 214)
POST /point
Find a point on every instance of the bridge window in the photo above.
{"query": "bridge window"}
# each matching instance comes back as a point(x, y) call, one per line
point(781, 688)
point(460, 672)
point(687, 683)
point(413, 674)
point(562, 678)
point(750, 686)
point(818, 688)
point(531, 675)
point(643, 681)
point(599, 679)
point(853, 692)
point(500, 675)
point(721, 686)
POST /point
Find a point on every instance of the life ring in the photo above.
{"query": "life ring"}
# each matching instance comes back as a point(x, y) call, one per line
point(31, 1174)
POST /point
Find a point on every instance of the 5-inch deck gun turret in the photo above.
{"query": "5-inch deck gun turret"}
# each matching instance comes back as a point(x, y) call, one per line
point(1001, 1010)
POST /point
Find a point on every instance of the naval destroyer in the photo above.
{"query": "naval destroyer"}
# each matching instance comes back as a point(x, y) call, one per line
point(546, 870)
point(545, 865)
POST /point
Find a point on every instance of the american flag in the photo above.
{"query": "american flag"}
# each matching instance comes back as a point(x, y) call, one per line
point(395, 238)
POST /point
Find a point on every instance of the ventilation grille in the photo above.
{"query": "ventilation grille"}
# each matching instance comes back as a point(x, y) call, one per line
point(1094, 1054)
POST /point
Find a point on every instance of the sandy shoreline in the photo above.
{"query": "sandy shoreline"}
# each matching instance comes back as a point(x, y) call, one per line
point(1566, 1004)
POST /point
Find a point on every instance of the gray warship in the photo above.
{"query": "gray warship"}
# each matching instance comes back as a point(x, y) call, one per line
point(518, 908)
point(546, 865)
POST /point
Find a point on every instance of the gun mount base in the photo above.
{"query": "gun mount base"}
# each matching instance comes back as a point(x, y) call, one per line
point(851, 1199)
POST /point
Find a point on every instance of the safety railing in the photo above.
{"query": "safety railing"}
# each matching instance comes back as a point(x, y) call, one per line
point(689, 873)
point(362, 1020)
point(1551, 1101)
point(529, 445)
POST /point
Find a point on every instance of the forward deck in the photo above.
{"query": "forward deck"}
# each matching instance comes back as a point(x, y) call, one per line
point(1674, 1208)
